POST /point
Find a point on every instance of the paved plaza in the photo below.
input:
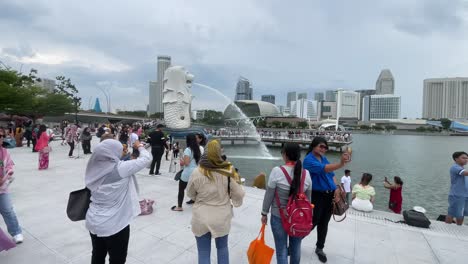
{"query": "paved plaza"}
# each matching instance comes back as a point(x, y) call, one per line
point(40, 199)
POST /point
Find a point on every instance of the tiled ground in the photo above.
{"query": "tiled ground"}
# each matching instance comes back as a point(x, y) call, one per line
point(40, 199)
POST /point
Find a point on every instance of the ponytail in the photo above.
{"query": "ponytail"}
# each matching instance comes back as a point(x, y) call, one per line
point(296, 182)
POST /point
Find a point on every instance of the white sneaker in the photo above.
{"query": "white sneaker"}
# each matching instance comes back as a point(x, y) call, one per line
point(18, 239)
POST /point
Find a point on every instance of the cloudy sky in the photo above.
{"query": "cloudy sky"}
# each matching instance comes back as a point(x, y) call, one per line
point(279, 45)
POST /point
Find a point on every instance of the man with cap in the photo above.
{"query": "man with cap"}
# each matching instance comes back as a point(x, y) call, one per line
point(346, 184)
point(158, 143)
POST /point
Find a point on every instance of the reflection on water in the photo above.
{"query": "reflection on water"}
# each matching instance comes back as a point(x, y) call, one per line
point(422, 162)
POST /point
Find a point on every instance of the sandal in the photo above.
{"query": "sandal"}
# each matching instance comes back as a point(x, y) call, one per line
point(174, 208)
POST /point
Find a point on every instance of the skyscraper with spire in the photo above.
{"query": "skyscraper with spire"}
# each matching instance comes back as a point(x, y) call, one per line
point(385, 83)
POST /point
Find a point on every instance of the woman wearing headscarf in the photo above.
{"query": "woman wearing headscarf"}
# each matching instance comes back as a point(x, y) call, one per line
point(114, 199)
point(42, 145)
point(214, 186)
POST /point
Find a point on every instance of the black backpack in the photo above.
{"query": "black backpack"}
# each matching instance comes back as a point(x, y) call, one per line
point(414, 218)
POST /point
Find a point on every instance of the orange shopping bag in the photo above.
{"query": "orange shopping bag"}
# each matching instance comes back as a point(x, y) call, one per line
point(259, 252)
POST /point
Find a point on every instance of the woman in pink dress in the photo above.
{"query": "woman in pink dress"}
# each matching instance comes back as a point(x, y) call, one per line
point(396, 198)
point(42, 146)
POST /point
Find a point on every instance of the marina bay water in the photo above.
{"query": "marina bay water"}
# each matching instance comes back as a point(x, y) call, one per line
point(422, 162)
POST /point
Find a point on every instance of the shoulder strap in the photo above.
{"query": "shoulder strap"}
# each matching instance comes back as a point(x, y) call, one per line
point(301, 189)
point(286, 174)
point(229, 186)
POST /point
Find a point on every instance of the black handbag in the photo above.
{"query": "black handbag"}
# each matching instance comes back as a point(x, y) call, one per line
point(178, 175)
point(78, 204)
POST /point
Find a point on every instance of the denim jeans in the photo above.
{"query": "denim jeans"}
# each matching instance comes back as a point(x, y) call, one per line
point(9, 215)
point(281, 243)
point(204, 249)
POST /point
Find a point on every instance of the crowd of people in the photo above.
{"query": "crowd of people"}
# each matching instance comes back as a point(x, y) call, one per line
point(213, 185)
point(282, 134)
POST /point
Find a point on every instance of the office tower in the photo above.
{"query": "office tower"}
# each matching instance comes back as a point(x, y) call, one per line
point(304, 108)
point(385, 83)
point(291, 97)
point(327, 110)
point(319, 97)
point(445, 98)
point(347, 104)
point(302, 96)
point(330, 96)
point(244, 89)
point(365, 112)
point(156, 88)
point(47, 84)
point(364, 93)
point(384, 106)
point(268, 98)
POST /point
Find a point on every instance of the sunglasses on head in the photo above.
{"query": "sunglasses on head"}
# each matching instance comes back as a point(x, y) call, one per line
point(323, 147)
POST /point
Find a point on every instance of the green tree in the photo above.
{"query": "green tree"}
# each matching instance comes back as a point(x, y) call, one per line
point(285, 124)
point(276, 124)
point(157, 115)
point(364, 127)
point(378, 128)
point(446, 123)
point(390, 127)
point(213, 117)
point(302, 124)
point(20, 95)
point(421, 129)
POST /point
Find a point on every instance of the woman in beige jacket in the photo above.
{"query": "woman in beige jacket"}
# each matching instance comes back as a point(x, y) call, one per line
point(215, 188)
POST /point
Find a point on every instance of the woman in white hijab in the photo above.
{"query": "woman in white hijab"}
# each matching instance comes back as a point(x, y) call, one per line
point(114, 199)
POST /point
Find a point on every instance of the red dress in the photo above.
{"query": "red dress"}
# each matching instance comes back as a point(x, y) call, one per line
point(396, 200)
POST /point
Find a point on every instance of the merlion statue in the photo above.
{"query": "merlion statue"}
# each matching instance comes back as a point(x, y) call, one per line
point(177, 97)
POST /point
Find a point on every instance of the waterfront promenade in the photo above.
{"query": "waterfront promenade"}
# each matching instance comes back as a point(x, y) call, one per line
point(40, 199)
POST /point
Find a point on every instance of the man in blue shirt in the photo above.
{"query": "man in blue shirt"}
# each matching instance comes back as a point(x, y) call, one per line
point(458, 201)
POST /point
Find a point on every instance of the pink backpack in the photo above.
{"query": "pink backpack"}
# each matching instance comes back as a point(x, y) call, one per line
point(297, 216)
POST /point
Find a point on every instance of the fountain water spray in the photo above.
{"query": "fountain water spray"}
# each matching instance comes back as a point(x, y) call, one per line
point(250, 126)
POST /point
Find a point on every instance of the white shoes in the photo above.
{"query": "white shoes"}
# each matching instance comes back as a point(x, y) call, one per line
point(18, 239)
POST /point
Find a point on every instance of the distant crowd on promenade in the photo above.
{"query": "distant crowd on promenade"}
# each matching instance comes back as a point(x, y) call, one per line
point(213, 185)
point(286, 134)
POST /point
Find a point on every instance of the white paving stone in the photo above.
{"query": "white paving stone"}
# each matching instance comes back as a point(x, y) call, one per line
point(40, 199)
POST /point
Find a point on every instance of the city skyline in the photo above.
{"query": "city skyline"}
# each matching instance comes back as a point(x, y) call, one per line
point(58, 38)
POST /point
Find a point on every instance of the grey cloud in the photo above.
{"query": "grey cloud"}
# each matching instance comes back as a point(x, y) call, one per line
point(432, 16)
point(24, 50)
point(21, 13)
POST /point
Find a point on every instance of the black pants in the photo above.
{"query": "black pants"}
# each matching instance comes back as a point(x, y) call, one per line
point(116, 245)
point(157, 153)
point(34, 141)
point(322, 214)
point(86, 146)
point(72, 147)
point(180, 196)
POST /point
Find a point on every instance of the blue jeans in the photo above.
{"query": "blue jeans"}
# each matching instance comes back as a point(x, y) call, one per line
point(204, 249)
point(9, 215)
point(281, 243)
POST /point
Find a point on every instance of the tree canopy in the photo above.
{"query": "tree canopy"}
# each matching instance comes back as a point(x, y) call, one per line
point(20, 95)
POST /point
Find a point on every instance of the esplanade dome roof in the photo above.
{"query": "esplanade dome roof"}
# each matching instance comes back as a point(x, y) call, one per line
point(251, 108)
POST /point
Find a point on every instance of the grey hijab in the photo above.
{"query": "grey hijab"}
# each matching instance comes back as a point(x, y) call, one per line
point(106, 155)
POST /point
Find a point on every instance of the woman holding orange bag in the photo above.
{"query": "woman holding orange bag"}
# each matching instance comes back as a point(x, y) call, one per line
point(279, 185)
point(215, 188)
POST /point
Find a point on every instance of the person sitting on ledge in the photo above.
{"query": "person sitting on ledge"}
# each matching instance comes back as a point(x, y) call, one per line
point(259, 181)
point(364, 194)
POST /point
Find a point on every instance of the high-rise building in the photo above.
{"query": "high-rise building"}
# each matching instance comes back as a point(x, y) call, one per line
point(445, 98)
point(47, 84)
point(385, 83)
point(302, 96)
point(156, 88)
point(244, 89)
point(304, 108)
point(319, 97)
point(97, 106)
point(381, 106)
point(330, 96)
point(347, 105)
point(291, 97)
point(327, 110)
point(364, 93)
point(268, 98)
